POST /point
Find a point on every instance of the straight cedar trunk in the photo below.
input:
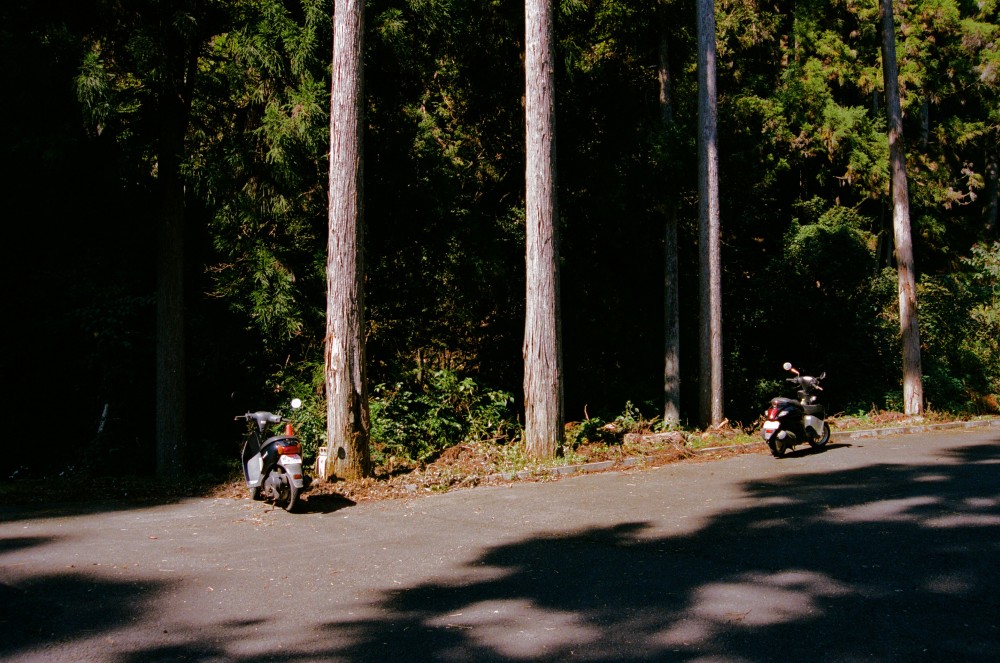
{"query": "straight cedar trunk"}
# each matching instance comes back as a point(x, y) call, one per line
point(170, 352)
point(671, 287)
point(543, 392)
point(348, 423)
point(671, 320)
point(710, 268)
point(913, 391)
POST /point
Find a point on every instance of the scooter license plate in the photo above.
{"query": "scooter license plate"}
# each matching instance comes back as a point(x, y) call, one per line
point(290, 459)
point(769, 428)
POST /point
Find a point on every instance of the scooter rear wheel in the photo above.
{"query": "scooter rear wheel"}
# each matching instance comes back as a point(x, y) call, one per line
point(817, 442)
point(293, 498)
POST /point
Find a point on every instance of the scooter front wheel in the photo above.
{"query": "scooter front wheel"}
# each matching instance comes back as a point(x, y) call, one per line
point(824, 437)
point(776, 447)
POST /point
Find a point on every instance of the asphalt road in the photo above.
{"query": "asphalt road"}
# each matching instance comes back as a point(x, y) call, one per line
point(872, 550)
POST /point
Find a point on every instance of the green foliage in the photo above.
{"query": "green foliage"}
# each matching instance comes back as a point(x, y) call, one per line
point(592, 429)
point(596, 429)
point(260, 121)
point(959, 315)
point(834, 254)
point(807, 238)
point(412, 421)
point(305, 382)
point(983, 339)
point(979, 345)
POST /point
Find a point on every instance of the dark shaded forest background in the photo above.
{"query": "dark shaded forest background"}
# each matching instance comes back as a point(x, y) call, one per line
point(807, 242)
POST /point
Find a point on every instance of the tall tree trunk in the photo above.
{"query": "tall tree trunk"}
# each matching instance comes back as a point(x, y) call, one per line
point(170, 354)
point(671, 320)
point(348, 422)
point(671, 288)
point(543, 389)
point(913, 391)
point(710, 268)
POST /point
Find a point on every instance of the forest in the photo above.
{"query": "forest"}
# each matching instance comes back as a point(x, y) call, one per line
point(97, 92)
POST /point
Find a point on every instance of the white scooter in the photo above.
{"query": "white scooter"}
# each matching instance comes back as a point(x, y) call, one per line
point(790, 421)
point(272, 465)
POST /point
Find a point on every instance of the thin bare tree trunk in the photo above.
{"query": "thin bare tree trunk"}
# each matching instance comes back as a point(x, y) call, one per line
point(671, 288)
point(710, 268)
point(913, 391)
point(543, 391)
point(346, 384)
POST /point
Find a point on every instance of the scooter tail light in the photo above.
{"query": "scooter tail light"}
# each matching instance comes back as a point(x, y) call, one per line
point(289, 450)
point(772, 413)
point(288, 430)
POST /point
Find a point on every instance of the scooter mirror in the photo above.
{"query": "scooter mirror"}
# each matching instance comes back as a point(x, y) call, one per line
point(296, 403)
point(787, 366)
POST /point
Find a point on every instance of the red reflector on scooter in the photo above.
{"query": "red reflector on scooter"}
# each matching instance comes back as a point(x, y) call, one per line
point(772, 413)
point(289, 449)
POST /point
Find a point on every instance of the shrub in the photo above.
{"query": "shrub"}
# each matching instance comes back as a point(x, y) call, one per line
point(960, 331)
point(413, 422)
point(305, 382)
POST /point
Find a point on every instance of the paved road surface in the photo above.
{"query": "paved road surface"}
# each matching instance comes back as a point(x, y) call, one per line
point(873, 550)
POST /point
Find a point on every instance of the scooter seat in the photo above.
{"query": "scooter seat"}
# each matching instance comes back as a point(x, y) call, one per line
point(780, 401)
point(280, 438)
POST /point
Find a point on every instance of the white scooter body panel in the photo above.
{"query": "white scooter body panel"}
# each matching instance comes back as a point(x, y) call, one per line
point(254, 468)
point(812, 424)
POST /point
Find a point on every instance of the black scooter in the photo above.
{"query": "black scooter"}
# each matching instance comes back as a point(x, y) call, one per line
point(272, 465)
point(789, 421)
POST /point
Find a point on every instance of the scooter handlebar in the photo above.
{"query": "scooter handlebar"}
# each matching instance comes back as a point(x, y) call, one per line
point(265, 417)
point(806, 381)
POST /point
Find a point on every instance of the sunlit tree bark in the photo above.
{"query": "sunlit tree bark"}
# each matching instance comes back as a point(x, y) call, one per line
point(543, 391)
point(913, 392)
point(671, 304)
point(710, 269)
point(348, 422)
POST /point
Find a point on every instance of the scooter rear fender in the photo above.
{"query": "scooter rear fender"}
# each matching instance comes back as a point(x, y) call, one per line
point(293, 468)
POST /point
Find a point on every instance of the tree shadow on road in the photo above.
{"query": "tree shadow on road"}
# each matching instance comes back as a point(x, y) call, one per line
point(50, 610)
point(888, 562)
